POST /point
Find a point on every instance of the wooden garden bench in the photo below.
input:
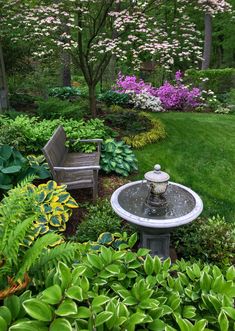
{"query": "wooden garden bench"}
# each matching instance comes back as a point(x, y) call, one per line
point(75, 170)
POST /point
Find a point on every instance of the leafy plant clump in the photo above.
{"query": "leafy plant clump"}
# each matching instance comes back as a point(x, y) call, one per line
point(53, 108)
point(144, 138)
point(117, 157)
point(210, 240)
point(114, 98)
point(64, 93)
point(14, 167)
point(29, 134)
point(123, 290)
point(128, 121)
point(24, 255)
point(99, 218)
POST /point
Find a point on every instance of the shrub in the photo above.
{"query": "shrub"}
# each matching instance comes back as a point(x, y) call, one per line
point(30, 135)
point(127, 84)
point(179, 96)
point(99, 218)
point(54, 108)
point(65, 92)
point(123, 290)
point(146, 101)
point(154, 134)
point(117, 157)
point(211, 240)
point(128, 121)
point(218, 80)
point(114, 98)
point(21, 100)
point(14, 167)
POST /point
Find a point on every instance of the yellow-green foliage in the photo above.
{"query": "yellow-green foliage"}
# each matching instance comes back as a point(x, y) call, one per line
point(54, 205)
point(155, 133)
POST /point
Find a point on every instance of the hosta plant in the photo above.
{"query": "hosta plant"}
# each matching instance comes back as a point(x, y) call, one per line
point(117, 157)
point(114, 98)
point(66, 92)
point(124, 290)
point(14, 167)
point(54, 206)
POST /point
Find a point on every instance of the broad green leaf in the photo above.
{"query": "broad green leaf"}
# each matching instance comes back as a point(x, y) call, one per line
point(230, 311)
point(66, 308)
point(83, 312)
point(28, 326)
point(157, 264)
point(142, 251)
point(223, 321)
point(133, 239)
point(166, 264)
point(5, 313)
point(95, 261)
point(148, 265)
point(65, 275)
point(103, 317)
point(200, 325)
point(105, 238)
point(230, 274)
point(13, 304)
point(100, 300)
point(52, 295)
point(189, 312)
point(157, 325)
point(11, 169)
point(136, 318)
point(37, 309)
point(75, 292)
point(60, 324)
point(3, 324)
point(205, 281)
point(113, 269)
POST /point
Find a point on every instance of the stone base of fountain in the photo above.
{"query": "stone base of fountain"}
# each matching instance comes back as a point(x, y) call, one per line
point(159, 244)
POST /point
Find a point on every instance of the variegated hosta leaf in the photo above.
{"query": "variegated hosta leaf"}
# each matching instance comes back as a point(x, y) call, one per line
point(51, 185)
point(71, 203)
point(105, 238)
point(56, 220)
point(41, 196)
point(43, 229)
point(63, 197)
point(46, 208)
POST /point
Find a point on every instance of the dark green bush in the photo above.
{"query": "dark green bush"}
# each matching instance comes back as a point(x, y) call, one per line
point(99, 218)
point(117, 157)
point(64, 93)
point(54, 108)
point(219, 81)
point(114, 98)
point(210, 240)
point(21, 100)
point(128, 122)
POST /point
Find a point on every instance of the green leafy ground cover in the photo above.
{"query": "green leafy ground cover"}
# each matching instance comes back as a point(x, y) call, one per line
point(199, 152)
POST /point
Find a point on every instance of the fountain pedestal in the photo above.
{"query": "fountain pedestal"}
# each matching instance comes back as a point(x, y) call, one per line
point(159, 244)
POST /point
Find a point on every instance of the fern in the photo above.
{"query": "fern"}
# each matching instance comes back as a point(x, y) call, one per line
point(65, 252)
point(34, 252)
point(16, 238)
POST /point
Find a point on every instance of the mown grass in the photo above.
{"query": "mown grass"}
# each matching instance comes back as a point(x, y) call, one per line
point(199, 152)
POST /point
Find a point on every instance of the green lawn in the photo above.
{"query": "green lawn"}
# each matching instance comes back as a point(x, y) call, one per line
point(199, 152)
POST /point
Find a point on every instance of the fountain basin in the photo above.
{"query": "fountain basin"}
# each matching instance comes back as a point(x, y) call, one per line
point(183, 206)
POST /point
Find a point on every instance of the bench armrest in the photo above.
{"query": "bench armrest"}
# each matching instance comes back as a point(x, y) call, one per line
point(76, 168)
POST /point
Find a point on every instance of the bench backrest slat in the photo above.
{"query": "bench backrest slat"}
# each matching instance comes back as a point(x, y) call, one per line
point(55, 149)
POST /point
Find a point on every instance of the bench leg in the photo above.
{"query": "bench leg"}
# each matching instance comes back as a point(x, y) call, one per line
point(95, 186)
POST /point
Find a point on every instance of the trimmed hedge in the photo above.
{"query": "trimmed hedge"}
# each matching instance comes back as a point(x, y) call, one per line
point(219, 81)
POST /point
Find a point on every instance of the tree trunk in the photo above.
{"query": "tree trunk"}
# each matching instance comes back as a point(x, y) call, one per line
point(207, 41)
point(65, 69)
point(92, 100)
point(3, 84)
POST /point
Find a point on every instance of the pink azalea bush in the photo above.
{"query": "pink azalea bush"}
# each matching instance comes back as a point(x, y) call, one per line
point(179, 96)
point(127, 84)
point(171, 97)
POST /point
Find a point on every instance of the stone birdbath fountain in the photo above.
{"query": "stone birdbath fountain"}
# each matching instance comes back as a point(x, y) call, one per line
point(156, 206)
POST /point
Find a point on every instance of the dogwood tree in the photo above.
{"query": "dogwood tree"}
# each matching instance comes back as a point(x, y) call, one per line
point(84, 29)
